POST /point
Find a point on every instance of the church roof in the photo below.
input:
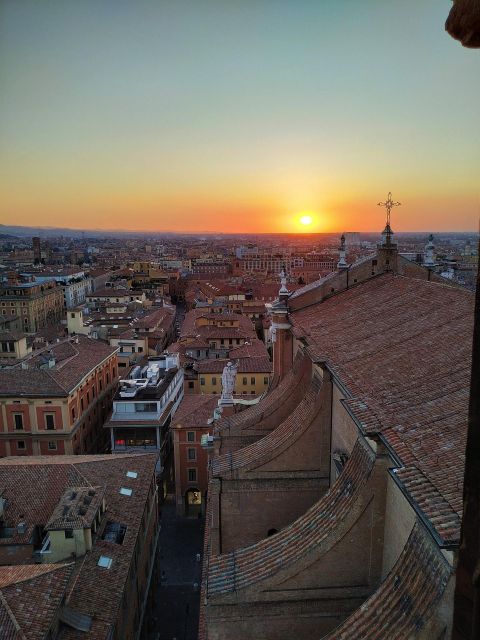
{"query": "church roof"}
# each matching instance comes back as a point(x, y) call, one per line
point(401, 606)
point(243, 567)
point(275, 441)
point(401, 348)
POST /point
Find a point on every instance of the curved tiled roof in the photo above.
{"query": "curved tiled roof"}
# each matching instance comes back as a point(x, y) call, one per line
point(275, 441)
point(281, 394)
point(400, 608)
point(242, 567)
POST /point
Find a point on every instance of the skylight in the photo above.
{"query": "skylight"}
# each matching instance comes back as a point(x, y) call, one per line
point(125, 491)
point(105, 562)
point(132, 474)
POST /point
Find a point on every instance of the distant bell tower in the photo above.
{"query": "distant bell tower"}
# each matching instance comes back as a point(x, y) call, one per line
point(280, 331)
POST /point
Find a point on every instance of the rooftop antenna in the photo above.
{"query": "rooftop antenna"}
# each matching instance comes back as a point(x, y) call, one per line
point(388, 204)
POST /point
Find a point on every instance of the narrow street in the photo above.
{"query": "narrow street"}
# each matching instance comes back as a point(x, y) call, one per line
point(177, 588)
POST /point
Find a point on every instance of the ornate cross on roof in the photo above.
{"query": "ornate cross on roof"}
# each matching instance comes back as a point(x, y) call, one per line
point(389, 204)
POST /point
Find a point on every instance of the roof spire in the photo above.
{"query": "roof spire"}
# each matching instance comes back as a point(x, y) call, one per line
point(387, 233)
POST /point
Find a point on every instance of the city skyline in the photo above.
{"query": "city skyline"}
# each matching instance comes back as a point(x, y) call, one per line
point(226, 119)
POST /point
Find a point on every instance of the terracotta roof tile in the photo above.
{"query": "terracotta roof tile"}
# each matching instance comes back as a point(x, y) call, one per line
point(243, 567)
point(277, 440)
point(401, 607)
point(402, 349)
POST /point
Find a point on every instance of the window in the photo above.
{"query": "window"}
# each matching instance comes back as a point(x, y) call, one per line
point(72, 315)
point(81, 403)
point(244, 381)
point(137, 407)
point(252, 380)
point(214, 381)
point(49, 421)
point(265, 380)
point(192, 475)
point(191, 384)
point(192, 454)
point(18, 418)
point(52, 446)
point(125, 491)
point(21, 444)
point(190, 436)
point(68, 533)
point(202, 381)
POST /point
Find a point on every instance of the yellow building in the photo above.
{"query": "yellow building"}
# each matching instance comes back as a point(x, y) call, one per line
point(36, 304)
point(253, 376)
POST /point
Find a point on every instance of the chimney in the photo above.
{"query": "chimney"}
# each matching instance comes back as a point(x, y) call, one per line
point(21, 527)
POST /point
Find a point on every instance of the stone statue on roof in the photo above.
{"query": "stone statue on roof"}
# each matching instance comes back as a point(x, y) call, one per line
point(229, 376)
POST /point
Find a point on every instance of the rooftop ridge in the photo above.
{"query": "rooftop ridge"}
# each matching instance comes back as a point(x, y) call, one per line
point(257, 562)
point(38, 570)
point(13, 620)
point(435, 507)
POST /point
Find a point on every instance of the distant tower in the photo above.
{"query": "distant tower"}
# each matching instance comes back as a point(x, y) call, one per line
point(342, 261)
point(37, 253)
point(429, 257)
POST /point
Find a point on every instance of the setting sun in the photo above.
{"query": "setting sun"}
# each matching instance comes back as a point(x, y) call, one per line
point(306, 220)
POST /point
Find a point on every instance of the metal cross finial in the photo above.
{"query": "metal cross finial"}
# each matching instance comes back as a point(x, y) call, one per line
point(389, 204)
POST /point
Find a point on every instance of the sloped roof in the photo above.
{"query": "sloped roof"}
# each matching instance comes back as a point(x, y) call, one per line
point(245, 365)
point(401, 606)
point(195, 410)
point(34, 485)
point(402, 349)
point(275, 441)
point(74, 359)
point(30, 596)
point(245, 566)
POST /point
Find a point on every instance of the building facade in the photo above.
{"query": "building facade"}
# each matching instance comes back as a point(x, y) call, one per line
point(37, 305)
point(55, 401)
point(144, 406)
point(189, 424)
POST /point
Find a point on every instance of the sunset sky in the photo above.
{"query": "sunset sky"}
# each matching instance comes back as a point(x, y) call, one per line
point(236, 115)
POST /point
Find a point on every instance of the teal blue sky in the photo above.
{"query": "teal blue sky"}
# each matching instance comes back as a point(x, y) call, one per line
point(236, 115)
